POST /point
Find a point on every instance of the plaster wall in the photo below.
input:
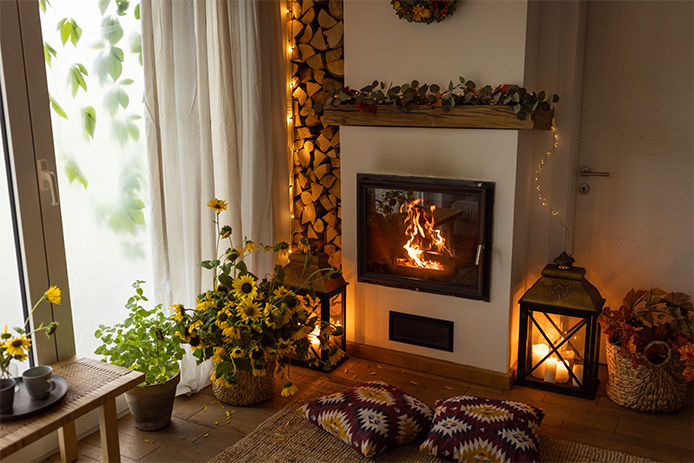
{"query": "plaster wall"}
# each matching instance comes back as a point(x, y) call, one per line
point(483, 41)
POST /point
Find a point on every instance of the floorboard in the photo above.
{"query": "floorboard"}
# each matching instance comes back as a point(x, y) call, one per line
point(202, 426)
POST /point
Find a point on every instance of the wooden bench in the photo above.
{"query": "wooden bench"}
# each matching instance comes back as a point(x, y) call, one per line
point(92, 384)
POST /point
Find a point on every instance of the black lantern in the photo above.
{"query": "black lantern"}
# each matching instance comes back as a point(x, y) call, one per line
point(558, 340)
point(332, 296)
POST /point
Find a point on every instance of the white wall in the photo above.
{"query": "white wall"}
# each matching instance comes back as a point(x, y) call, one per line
point(483, 41)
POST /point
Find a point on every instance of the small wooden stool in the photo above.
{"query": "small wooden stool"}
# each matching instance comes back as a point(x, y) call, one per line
point(92, 384)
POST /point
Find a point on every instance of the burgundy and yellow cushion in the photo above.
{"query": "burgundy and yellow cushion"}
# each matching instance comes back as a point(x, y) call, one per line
point(469, 428)
point(370, 416)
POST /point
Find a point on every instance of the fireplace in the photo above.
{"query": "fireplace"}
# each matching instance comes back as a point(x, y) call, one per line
point(425, 234)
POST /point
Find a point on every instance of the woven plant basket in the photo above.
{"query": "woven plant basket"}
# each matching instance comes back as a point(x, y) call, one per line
point(647, 388)
point(249, 389)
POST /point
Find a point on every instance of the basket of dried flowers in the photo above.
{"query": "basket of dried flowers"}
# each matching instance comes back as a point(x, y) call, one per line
point(650, 356)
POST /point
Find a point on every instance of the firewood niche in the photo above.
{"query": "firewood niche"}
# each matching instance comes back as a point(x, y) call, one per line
point(317, 66)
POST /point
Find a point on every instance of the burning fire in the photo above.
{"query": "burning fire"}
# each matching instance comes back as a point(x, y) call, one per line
point(423, 238)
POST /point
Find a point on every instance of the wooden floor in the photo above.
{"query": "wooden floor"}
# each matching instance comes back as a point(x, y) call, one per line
point(199, 428)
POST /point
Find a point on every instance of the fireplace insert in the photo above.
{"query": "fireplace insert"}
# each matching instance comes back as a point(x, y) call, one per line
point(425, 234)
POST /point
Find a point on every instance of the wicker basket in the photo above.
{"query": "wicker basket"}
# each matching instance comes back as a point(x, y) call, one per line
point(249, 389)
point(648, 388)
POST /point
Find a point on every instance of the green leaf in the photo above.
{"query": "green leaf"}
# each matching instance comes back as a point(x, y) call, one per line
point(73, 172)
point(57, 108)
point(48, 53)
point(226, 280)
point(111, 102)
point(103, 5)
point(115, 63)
point(111, 29)
point(516, 108)
point(76, 79)
point(135, 44)
point(133, 130)
point(101, 67)
point(209, 264)
point(122, 7)
point(119, 130)
point(137, 11)
point(123, 98)
point(43, 4)
point(126, 82)
point(89, 120)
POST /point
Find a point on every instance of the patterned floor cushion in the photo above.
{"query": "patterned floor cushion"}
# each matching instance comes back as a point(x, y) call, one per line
point(476, 429)
point(370, 416)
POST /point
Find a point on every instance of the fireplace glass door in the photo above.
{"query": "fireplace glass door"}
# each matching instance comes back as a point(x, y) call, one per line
point(425, 234)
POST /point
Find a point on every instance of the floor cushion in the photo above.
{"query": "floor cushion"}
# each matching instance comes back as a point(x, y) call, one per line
point(370, 416)
point(469, 428)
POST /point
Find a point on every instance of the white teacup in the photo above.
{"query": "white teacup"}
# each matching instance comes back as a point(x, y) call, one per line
point(38, 382)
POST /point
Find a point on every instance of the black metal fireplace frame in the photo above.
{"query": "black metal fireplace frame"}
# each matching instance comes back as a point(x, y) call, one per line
point(440, 185)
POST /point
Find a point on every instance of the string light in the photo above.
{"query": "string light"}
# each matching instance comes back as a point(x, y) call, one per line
point(544, 200)
point(287, 8)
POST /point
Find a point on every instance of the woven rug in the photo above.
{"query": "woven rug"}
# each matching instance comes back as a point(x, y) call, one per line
point(286, 437)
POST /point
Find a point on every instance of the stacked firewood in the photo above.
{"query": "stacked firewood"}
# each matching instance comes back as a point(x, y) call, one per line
point(317, 67)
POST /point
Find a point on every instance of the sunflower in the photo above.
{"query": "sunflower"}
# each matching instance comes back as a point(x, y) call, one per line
point(218, 354)
point(5, 334)
point(53, 295)
point(177, 312)
point(288, 390)
point(204, 305)
point(244, 287)
point(17, 346)
point(225, 232)
point(194, 325)
point(218, 205)
point(231, 332)
point(281, 291)
point(237, 353)
point(248, 310)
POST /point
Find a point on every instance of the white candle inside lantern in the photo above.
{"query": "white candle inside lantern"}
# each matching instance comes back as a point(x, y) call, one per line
point(313, 336)
point(562, 373)
point(568, 355)
point(550, 369)
point(578, 372)
point(540, 351)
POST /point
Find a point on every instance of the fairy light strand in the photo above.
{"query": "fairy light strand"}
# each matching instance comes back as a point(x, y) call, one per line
point(542, 198)
point(287, 9)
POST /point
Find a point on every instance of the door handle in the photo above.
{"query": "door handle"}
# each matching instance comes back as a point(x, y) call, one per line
point(47, 180)
point(586, 172)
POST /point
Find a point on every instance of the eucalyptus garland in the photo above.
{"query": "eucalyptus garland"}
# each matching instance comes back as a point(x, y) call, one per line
point(424, 11)
point(523, 102)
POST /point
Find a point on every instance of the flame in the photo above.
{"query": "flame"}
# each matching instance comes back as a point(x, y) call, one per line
point(422, 236)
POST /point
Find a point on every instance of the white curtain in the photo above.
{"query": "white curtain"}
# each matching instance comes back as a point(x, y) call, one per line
point(216, 127)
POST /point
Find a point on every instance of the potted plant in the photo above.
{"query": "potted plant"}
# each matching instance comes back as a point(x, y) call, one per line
point(145, 341)
point(16, 347)
point(250, 326)
point(650, 349)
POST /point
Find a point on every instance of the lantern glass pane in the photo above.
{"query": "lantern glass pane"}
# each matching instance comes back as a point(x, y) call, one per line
point(337, 315)
point(566, 333)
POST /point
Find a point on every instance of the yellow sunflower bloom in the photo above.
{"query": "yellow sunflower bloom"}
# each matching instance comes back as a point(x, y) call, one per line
point(177, 312)
point(281, 292)
point(194, 325)
point(53, 295)
point(17, 346)
point(231, 333)
point(249, 311)
point(237, 353)
point(223, 382)
point(204, 305)
point(289, 390)
point(244, 287)
point(218, 205)
point(218, 354)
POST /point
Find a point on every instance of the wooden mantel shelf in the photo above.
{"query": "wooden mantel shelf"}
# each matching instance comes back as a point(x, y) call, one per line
point(465, 117)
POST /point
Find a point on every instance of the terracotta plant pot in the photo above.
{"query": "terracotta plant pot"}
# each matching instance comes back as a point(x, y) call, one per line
point(151, 405)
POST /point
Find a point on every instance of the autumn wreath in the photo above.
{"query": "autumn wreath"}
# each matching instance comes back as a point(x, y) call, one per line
point(424, 11)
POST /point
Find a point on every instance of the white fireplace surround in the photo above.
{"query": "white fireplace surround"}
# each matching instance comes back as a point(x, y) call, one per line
point(490, 43)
